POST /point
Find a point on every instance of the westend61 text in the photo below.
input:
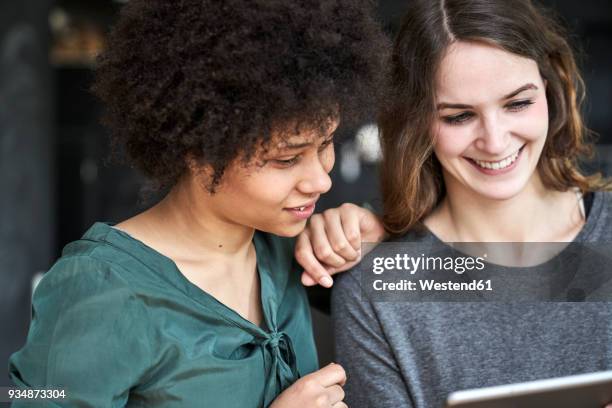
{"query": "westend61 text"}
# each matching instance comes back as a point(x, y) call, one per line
point(432, 285)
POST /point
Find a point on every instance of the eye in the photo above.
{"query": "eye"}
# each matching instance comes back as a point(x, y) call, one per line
point(458, 119)
point(286, 162)
point(518, 106)
point(325, 144)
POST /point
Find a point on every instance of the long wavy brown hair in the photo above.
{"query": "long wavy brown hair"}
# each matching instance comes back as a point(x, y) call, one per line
point(411, 176)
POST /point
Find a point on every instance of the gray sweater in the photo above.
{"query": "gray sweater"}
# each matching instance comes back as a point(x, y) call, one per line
point(413, 354)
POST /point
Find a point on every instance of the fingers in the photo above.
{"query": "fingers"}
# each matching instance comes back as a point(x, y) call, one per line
point(323, 388)
point(332, 242)
point(351, 217)
point(342, 228)
point(332, 374)
point(371, 227)
point(335, 394)
point(323, 250)
point(314, 271)
point(308, 280)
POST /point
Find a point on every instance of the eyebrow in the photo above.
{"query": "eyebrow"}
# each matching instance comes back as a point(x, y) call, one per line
point(295, 146)
point(521, 89)
point(525, 87)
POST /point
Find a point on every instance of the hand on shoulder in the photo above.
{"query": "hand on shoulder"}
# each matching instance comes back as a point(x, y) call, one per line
point(331, 242)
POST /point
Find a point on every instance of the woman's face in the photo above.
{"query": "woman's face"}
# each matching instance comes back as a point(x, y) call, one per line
point(278, 191)
point(492, 120)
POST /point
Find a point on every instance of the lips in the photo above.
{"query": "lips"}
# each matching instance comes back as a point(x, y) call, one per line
point(497, 167)
point(501, 164)
point(303, 211)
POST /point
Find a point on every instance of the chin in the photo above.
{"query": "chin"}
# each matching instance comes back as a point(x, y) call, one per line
point(501, 192)
point(501, 189)
point(287, 230)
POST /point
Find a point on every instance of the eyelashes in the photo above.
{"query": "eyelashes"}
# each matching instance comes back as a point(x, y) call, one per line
point(288, 162)
point(458, 119)
point(516, 106)
point(519, 105)
point(295, 159)
point(325, 144)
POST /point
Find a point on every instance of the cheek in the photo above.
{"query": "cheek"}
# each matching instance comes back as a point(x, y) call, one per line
point(534, 124)
point(328, 158)
point(260, 189)
point(452, 141)
point(268, 190)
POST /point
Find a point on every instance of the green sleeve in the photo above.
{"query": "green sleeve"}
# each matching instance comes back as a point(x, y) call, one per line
point(90, 335)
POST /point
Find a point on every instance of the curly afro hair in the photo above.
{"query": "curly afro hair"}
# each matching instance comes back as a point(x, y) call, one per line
point(211, 79)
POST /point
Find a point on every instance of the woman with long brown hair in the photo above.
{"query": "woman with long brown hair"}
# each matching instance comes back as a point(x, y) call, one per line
point(482, 141)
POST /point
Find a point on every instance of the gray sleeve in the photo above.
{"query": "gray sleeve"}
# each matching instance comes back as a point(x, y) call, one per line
point(373, 376)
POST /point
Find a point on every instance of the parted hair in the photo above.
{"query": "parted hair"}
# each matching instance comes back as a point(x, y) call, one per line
point(212, 80)
point(411, 176)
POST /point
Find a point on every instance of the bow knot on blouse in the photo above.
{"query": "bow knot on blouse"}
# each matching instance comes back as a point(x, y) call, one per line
point(280, 360)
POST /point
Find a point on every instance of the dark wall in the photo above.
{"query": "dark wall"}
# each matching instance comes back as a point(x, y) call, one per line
point(26, 164)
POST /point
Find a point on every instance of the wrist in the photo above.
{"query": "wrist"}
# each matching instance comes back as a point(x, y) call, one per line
point(372, 228)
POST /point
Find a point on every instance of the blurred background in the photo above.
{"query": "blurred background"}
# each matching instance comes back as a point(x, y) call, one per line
point(55, 176)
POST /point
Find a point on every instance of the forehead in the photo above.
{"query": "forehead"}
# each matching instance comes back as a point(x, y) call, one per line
point(474, 73)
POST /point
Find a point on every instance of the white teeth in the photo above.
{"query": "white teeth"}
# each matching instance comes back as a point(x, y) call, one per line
point(502, 164)
point(301, 208)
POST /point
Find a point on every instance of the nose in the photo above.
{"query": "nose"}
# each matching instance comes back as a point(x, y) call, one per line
point(315, 179)
point(494, 136)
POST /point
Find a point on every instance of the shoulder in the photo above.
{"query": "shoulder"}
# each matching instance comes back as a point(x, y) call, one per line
point(85, 315)
point(104, 244)
point(599, 222)
point(80, 285)
point(86, 300)
point(603, 200)
point(357, 280)
point(91, 266)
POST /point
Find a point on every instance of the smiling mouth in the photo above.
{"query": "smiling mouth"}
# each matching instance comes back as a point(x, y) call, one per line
point(498, 165)
point(303, 207)
point(303, 212)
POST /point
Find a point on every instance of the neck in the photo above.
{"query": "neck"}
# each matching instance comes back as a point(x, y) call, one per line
point(535, 214)
point(187, 217)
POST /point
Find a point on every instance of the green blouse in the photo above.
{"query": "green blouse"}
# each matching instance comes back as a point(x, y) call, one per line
point(116, 324)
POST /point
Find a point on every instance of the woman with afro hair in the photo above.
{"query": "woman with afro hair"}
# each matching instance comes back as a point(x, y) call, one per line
point(230, 108)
